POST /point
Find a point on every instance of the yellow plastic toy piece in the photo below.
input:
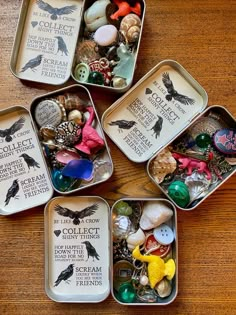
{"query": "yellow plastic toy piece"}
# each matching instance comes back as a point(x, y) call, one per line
point(157, 268)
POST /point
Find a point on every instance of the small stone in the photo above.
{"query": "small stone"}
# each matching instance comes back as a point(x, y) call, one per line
point(106, 35)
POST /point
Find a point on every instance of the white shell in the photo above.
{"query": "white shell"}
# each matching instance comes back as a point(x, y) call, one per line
point(137, 238)
point(154, 214)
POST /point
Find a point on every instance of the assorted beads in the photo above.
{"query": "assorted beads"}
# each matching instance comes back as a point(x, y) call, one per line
point(143, 256)
point(105, 55)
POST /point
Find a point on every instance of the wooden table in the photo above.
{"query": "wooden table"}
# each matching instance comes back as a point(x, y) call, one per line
point(200, 35)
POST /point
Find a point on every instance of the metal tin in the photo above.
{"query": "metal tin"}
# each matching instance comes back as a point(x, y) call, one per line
point(102, 162)
point(45, 40)
point(152, 113)
point(222, 166)
point(125, 269)
point(24, 175)
point(77, 249)
point(112, 88)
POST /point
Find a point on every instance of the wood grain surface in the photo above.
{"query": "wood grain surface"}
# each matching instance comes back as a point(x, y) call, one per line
point(201, 36)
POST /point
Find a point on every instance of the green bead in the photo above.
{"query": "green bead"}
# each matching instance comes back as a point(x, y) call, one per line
point(126, 293)
point(178, 191)
point(123, 208)
point(203, 140)
point(96, 77)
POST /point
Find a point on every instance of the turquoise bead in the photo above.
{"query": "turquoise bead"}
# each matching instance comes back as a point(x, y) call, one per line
point(126, 293)
point(96, 77)
point(203, 140)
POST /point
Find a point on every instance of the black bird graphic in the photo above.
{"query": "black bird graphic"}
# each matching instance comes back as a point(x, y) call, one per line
point(91, 251)
point(29, 161)
point(7, 133)
point(55, 12)
point(33, 63)
point(173, 93)
point(12, 191)
point(61, 46)
point(65, 275)
point(123, 124)
point(157, 127)
point(76, 215)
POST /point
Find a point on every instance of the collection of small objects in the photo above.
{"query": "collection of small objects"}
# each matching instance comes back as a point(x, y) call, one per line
point(72, 145)
point(106, 53)
point(197, 161)
point(143, 260)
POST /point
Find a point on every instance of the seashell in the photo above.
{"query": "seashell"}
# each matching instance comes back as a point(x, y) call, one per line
point(154, 214)
point(86, 52)
point(163, 164)
point(71, 101)
point(137, 238)
point(130, 27)
point(163, 288)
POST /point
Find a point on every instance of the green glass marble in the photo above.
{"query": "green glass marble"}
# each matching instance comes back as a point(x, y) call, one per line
point(203, 140)
point(61, 182)
point(96, 77)
point(126, 293)
point(178, 191)
point(123, 208)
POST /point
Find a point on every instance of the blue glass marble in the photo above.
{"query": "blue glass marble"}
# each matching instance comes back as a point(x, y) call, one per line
point(61, 182)
point(82, 169)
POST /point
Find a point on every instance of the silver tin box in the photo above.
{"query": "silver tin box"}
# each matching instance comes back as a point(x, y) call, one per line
point(155, 112)
point(102, 162)
point(45, 43)
point(24, 175)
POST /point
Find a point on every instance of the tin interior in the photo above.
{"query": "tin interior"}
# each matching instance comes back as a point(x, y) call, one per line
point(148, 117)
point(23, 174)
point(103, 165)
point(45, 40)
point(115, 284)
point(225, 120)
point(64, 246)
point(87, 4)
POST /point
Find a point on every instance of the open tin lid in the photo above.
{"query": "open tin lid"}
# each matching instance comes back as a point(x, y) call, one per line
point(24, 179)
point(45, 40)
point(154, 111)
point(77, 257)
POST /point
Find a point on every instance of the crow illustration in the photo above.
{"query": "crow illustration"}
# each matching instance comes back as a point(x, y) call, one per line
point(29, 161)
point(55, 12)
point(65, 275)
point(123, 124)
point(157, 127)
point(76, 215)
point(172, 93)
point(91, 251)
point(61, 46)
point(12, 191)
point(32, 63)
point(7, 133)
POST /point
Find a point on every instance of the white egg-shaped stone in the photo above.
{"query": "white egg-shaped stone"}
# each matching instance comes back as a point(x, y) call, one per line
point(154, 214)
point(106, 35)
point(135, 239)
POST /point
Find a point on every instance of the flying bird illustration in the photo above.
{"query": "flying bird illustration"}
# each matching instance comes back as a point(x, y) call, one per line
point(12, 191)
point(7, 133)
point(76, 215)
point(65, 275)
point(61, 46)
point(172, 93)
point(32, 63)
point(29, 161)
point(123, 124)
point(55, 12)
point(157, 127)
point(91, 251)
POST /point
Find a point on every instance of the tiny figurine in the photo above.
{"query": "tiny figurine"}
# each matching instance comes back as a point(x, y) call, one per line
point(124, 8)
point(157, 268)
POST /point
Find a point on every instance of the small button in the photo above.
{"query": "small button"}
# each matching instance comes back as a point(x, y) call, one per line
point(81, 72)
point(163, 234)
